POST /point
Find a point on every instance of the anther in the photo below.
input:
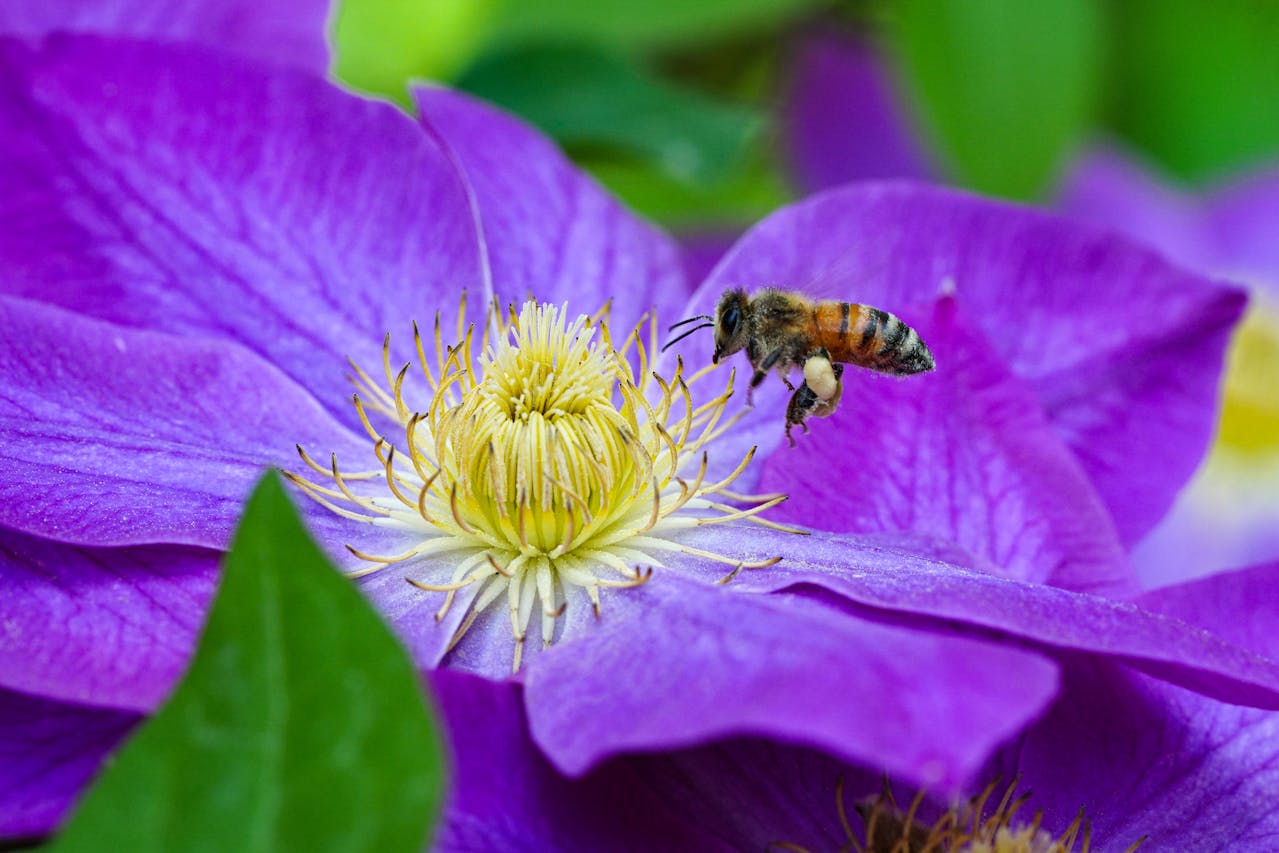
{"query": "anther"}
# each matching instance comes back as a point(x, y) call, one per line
point(457, 515)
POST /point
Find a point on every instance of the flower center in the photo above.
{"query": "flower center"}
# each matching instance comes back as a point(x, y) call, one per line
point(538, 445)
point(539, 473)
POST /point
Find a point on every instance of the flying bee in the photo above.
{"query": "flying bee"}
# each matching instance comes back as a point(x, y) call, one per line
point(781, 330)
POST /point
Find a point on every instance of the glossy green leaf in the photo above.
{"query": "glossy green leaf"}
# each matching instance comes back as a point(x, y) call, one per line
point(586, 97)
point(301, 724)
point(1005, 88)
point(1198, 83)
point(644, 24)
point(382, 44)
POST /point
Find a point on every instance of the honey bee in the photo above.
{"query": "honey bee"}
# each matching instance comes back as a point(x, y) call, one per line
point(781, 330)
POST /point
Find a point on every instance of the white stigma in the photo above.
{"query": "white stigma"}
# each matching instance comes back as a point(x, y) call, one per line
point(541, 473)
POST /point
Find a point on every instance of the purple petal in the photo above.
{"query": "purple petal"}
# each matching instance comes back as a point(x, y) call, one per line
point(1192, 773)
point(1228, 518)
point(1109, 188)
point(1148, 759)
point(488, 647)
point(756, 793)
point(1240, 606)
point(548, 229)
point(703, 250)
point(1115, 343)
point(170, 187)
point(1232, 232)
point(1243, 224)
point(106, 627)
point(677, 662)
point(878, 579)
point(964, 454)
point(115, 436)
point(290, 32)
point(505, 796)
point(49, 751)
point(846, 119)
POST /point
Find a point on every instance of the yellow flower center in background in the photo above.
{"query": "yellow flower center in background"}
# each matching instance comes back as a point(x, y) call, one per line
point(1250, 414)
point(971, 827)
point(539, 473)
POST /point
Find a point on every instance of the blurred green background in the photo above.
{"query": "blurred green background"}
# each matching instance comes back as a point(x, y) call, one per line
point(1003, 91)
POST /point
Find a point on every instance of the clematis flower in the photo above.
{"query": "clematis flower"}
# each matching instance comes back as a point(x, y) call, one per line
point(198, 254)
point(1229, 514)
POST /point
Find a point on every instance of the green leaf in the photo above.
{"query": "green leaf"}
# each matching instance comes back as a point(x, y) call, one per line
point(301, 724)
point(653, 23)
point(1005, 88)
point(1198, 83)
point(587, 97)
point(381, 44)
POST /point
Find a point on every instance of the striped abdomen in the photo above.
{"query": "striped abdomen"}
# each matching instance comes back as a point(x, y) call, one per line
point(869, 337)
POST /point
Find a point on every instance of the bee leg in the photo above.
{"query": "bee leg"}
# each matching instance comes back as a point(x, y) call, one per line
point(801, 404)
point(769, 361)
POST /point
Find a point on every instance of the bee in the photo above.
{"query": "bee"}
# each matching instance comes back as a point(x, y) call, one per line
point(781, 330)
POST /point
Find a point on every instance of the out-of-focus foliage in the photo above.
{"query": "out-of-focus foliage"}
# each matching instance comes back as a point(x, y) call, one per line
point(1006, 88)
point(670, 103)
point(665, 102)
point(653, 23)
point(587, 97)
point(1196, 84)
point(382, 44)
point(301, 724)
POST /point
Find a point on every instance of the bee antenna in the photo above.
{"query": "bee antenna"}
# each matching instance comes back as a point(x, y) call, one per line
point(675, 326)
point(686, 334)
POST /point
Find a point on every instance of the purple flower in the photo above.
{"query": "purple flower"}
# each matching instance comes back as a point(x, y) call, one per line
point(193, 247)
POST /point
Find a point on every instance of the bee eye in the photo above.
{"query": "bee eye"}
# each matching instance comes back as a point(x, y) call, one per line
point(732, 317)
